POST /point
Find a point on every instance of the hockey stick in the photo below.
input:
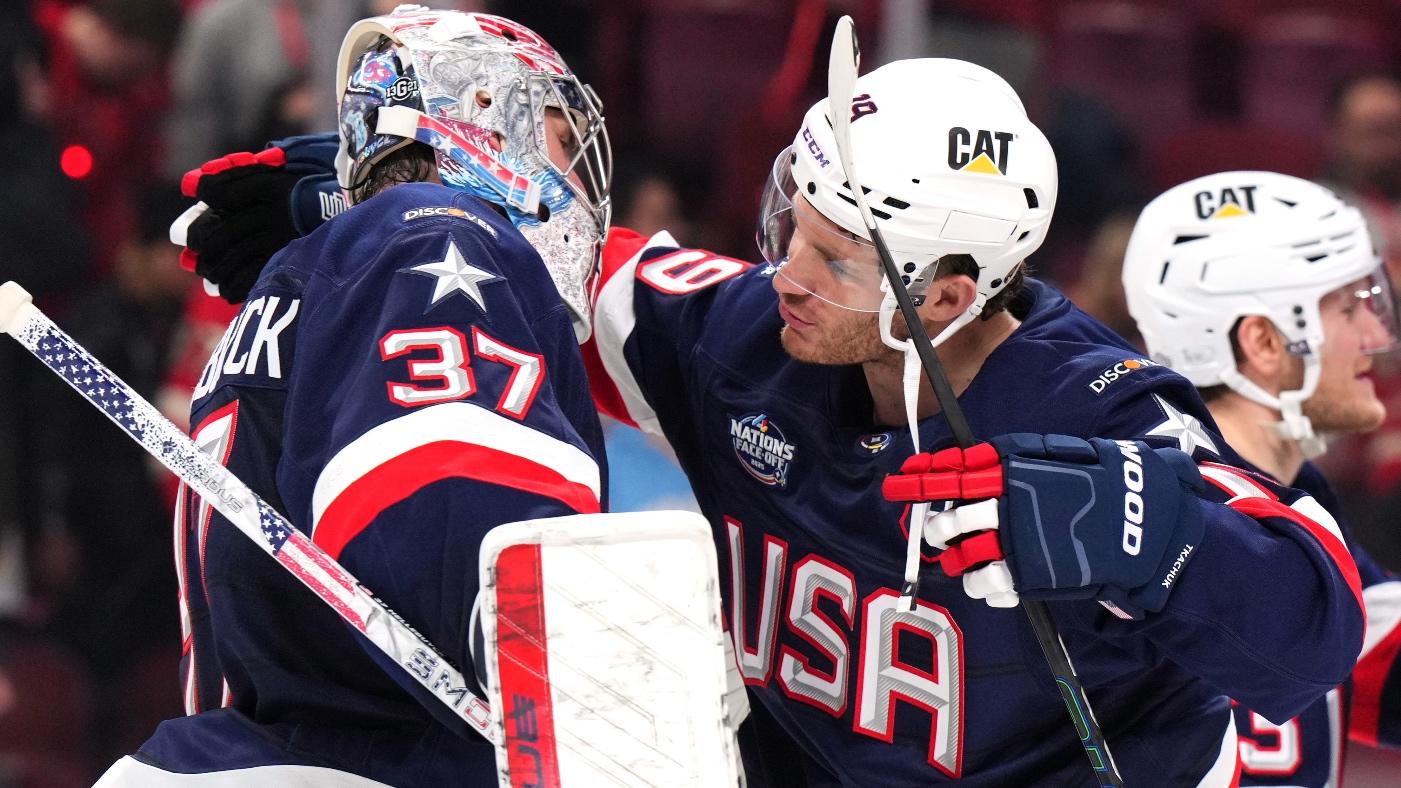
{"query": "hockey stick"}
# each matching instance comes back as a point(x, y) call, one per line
point(843, 68)
point(249, 513)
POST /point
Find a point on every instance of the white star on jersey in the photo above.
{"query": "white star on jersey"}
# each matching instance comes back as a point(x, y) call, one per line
point(453, 274)
point(1186, 430)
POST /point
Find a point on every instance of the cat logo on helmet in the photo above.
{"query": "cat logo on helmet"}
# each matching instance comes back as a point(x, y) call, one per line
point(981, 151)
point(1228, 202)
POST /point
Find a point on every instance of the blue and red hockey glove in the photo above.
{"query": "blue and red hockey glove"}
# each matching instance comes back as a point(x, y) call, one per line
point(257, 203)
point(1054, 517)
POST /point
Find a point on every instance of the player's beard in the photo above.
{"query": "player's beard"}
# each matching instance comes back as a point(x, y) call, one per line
point(1350, 405)
point(843, 337)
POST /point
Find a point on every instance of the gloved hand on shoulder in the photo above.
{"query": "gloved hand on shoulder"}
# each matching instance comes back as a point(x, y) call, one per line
point(253, 204)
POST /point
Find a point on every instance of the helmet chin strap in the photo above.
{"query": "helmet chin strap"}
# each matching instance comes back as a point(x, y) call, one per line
point(913, 366)
point(1293, 424)
point(910, 382)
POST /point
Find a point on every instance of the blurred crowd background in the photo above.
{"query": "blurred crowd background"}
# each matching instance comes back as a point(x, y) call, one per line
point(105, 103)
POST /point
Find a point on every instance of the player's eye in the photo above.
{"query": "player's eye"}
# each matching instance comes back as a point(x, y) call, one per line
point(844, 269)
point(569, 142)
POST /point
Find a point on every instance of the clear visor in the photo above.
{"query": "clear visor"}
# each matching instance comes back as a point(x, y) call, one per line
point(1363, 312)
point(811, 252)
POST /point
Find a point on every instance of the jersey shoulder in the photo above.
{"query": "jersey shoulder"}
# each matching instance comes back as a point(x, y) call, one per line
point(455, 247)
point(687, 298)
point(371, 240)
point(1062, 360)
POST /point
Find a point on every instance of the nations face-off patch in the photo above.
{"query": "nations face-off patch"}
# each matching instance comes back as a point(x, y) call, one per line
point(761, 448)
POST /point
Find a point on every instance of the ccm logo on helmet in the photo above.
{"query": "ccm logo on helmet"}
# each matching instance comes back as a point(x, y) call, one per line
point(1100, 383)
point(1225, 204)
point(983, 151)
point(1133, 500)
point(814, 148)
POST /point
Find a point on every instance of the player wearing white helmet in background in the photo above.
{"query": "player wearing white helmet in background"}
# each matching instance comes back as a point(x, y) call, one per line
point(1289, 249)
point(783, 391)
point(1264, 290)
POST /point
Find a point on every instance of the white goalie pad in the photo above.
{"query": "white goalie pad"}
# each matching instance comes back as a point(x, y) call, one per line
point(605, 654)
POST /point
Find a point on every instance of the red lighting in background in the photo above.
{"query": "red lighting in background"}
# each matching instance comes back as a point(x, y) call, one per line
point(76, 162)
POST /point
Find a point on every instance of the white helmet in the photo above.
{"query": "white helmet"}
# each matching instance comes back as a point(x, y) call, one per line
point(476, 88)
point(1218, 248)
point(950, 165)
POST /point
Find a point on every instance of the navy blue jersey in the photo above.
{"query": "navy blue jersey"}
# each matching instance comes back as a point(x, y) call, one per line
point(1307, 749)
point(786, 462)
point(397, 383)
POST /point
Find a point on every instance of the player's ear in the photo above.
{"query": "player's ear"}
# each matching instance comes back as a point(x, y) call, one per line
point(1262, 354)
point(948, 297)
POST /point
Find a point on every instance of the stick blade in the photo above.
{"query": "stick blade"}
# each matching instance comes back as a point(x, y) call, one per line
point(843, 64)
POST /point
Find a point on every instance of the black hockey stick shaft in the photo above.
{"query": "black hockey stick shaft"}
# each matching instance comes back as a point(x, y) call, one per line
point(1067, 681)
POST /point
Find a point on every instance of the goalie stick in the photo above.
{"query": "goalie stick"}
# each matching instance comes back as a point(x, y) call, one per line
point(245, 509)
point(843, 67)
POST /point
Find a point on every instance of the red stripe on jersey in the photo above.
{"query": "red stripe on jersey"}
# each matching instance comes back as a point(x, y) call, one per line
point(1368, 681)
point(523, 666)
point(1264, 507)
point(1219, 485)
point(606, 396)
point(622, 245)
point(398, 478)
point(1243, 476)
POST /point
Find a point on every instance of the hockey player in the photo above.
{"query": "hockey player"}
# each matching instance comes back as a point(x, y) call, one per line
point(398, 382)
point(775, 388)
point(783, 403)
point(1264, 291)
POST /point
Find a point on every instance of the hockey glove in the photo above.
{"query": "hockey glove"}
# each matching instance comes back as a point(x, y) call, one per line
point(256, 204)
point(1059, 518)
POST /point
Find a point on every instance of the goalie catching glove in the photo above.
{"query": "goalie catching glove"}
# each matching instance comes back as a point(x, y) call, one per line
point(1053, 517)
point(253, 205)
